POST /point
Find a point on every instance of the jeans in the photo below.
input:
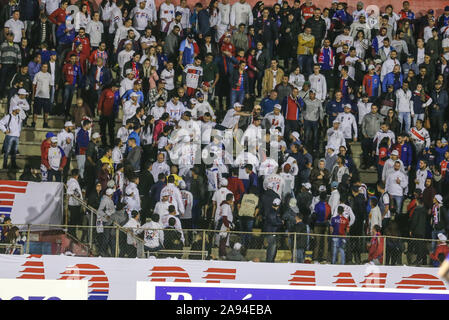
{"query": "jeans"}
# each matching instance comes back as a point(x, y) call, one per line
point(81, 160)
point(405, 117)
point(54, 173)
point(305, 62)
point(417, 116)
point(69, 90)
point(246, 224)
point(311, 134)
point(299, 255)
point(398, 200)
point(272, 248)
point(338, 244)
point(10, 145)
point(236, 96)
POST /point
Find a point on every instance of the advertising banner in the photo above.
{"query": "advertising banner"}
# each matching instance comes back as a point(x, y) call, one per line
point(32, 202)
point(208, 291)
point(28, 289)
point(115, 278)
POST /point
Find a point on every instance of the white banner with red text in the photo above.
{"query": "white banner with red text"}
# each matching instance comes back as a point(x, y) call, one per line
point(38, 203)
point(115, 278)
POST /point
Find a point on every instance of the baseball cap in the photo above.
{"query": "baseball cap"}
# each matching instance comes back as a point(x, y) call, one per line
point(137, 81)
point(322, 188)
point(178, 13)
point(295, 134)
point(22, 91)
point(307, 185)
point(68, 124)
point(237, 246)
point(49, 135)
point(442, 237)
point(54, 140)
point(395, 153)
point(193, 101)
point(277, 106)
point(439, 198)
point(347, 105)
point(277, 202)
point(96, 135)
point(182, 184)
point(190, 35)
point(199, 94)
point(129, 71)
point(443, 140)
point(109, 191)
point(16, 107)
point(371, 67)
point(224, 182)
point(334, 184)
point(336, 121)
point(188, 113)
point(237, 104)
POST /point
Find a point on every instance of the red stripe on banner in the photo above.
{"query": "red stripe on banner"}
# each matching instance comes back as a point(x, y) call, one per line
point(7, 196)
point(6, 203)
point(85, 266)
point(169, 274)
point(212, 281)
point(344, 281)
point(373, 286)
point(33, 270)
point(302, 279)
point(437, 288)
point(408, 287)
point(218, 270)
point(38, 256)
point(15, 190)
point(167, 269)
point(99, 279)
point(99, 285)
point(422, 282)
point(182, 280)
point(31, 276)
point(347, 286)
point(304, 273)
point(379, 275)
point(71, 278)
point(83, 272)
point(157, 280)
point(301, 284)
point(344, 275)
point(33, 264)
point(220, 276)
point(422, 276)
point(13, 183)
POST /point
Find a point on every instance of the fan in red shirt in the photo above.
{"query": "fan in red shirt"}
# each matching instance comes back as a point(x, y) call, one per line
point(307, 9)
point(58, 16)
point(84, 40)
point(80, 57)
point(441, 249)
point(226, 45)
point(236, 185)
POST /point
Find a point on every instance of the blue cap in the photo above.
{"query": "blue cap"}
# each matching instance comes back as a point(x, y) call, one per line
point(334, 184)
point(49, 135)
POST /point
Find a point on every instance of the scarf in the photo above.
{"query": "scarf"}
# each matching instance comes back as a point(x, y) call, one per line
point(330, 54)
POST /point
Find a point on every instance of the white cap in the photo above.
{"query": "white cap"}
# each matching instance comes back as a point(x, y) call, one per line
point(16, 107)
point(224, 182)
point(371, 67)
point(336, 121)
point(238, 104)
point(96, 135)
point(439, 198)
point(109, 191)
point(68, 124)
point(295, 134)
point(307, 185)
point(111, 184)
point(182, 184)
point(193, 101)
point(347, 105)
point(165, 194)
point(128, 71)
point(22, 91)
point(442, 237)
point(277, 202)
point(54, 139)
point(395, 153)
point(322, 188)
point(237, 246)
point(277, 106)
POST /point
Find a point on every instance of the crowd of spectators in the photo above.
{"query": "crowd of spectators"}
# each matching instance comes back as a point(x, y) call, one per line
point(232, 117)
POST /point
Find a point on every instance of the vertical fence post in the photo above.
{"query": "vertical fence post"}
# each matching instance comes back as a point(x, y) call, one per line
point(294, 257)
point(66, 210)
point(203, 246)
point(28, 240)
point(385, 251)
point(91, 217)
point(117, 238)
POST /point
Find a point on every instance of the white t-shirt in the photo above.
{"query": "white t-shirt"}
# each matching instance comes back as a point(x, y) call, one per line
point(169, 77)
point(193, 74)
point(43, 81)
point(230, 119)
point(16, 27)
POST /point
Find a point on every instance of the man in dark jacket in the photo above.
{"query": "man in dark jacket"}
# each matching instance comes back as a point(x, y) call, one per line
point(418, 223)
point(134, 155)
point(146, 180)
point(239, 84)
point(266, 31)
point(262, 62)
point(359, 209)
point(438, 109)
point(301, 239)
point(272, 223)
point(318, 27)
point(92, 158)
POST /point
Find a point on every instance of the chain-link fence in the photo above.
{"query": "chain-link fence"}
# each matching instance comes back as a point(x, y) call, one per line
point(119, 241)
